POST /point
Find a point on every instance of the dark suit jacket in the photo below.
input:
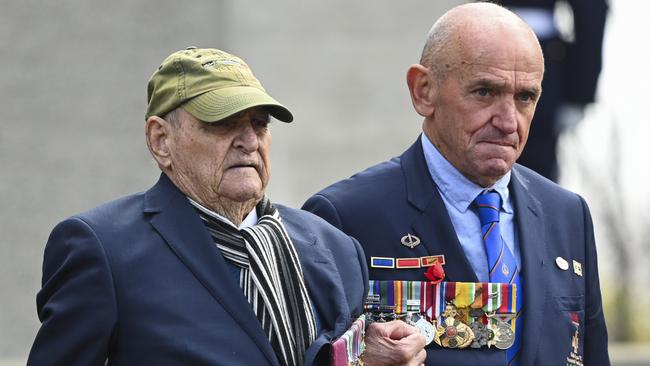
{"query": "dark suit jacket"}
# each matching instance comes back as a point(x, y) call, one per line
point(139, 281)
point(383, 203)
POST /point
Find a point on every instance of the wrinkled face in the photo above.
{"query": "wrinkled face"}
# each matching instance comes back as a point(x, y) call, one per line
point(484, 105)
point(222, 161)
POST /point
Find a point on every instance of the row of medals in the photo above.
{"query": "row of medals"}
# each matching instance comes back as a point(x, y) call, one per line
point(449, 332)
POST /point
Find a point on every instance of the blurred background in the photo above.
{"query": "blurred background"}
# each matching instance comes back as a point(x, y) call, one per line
point(73, 88)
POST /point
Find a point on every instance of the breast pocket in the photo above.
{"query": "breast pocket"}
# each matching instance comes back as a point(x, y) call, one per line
point(570, 303)
point(570, 327)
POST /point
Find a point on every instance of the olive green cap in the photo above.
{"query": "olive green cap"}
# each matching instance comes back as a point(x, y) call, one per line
point(210, 84)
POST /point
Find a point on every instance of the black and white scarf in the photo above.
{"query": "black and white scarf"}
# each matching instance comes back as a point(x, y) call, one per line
point(271, 278)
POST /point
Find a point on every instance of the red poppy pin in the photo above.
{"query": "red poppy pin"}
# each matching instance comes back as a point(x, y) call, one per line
point(435, 273)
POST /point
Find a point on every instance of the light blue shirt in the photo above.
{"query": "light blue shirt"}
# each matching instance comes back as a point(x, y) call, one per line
point(458, 193)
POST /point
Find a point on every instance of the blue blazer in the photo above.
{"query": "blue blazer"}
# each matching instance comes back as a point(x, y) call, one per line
point(139, 281)
point(383, 203)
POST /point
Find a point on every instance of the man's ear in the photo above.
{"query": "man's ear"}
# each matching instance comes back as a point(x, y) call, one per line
point(158, 133)
point(420, 82)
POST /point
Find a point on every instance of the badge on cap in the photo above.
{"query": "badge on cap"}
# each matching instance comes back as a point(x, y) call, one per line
point(577, 268)
point(562, 263)
point(410, 241)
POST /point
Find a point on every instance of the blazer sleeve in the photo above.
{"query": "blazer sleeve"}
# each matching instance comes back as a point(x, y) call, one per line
point(77, 304)
point(595, 341)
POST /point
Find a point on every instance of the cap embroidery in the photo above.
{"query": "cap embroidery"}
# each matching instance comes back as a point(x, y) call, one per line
point(214, 63)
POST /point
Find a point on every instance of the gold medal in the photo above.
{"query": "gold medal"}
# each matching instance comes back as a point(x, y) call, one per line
point(577, 268)
point(451, 332)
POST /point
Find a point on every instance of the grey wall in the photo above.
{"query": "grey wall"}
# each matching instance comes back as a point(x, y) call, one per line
point(72, 94)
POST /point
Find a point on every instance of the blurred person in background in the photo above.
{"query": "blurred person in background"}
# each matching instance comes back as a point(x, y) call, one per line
point(573, 62)
point(454, 212)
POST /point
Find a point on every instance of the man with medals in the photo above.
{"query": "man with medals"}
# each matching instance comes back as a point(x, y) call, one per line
point(483, 244)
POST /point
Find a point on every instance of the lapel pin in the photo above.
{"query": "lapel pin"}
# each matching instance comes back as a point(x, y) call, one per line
point(577, 268)
point(410, 241)
point(562, 263)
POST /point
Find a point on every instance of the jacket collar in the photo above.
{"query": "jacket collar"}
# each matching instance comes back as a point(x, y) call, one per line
point(432, 223)
point(173, 217)
point(532, 241)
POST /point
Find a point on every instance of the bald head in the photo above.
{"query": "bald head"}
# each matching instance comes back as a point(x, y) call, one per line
point(465, 26)
point(477, 86)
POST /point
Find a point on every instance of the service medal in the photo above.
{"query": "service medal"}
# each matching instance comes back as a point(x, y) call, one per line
point(451, 332)
point(427, 330)
point(456, 335)
point(423, 325)
point(502, 336)
point(481, 335)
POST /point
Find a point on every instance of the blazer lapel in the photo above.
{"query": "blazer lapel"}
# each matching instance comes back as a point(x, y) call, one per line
point(322, 280)
point(532, 241)
point(433, 224)
point(321, 277)
point(180, 226)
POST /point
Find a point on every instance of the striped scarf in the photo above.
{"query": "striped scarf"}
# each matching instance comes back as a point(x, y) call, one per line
point(271, 278)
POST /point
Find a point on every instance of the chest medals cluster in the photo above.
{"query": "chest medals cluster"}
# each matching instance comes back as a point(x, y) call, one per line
point(450, 314)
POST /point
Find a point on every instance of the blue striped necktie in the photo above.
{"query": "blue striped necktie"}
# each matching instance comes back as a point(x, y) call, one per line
point(501, 262)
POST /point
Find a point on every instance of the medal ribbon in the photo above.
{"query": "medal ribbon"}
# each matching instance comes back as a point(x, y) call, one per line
point(426, 299)
point(430, 299)
point(399, 297)
point(464, 294)
point(499, 298)
point(352, 342)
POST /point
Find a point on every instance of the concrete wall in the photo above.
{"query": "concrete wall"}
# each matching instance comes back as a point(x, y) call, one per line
point(73, 91)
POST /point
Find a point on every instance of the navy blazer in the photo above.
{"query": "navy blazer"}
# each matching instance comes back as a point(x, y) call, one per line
point(139, 281)
point(384, 203)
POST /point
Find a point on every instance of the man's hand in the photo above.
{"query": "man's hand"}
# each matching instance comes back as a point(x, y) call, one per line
point(394, 343)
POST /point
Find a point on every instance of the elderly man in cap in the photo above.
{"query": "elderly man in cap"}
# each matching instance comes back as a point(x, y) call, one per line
point(456, 198)
point(202, 269)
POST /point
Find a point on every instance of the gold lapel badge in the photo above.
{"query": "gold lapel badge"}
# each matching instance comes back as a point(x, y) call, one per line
point(577, 268)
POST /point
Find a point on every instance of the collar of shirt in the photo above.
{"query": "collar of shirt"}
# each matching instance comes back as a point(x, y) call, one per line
point(250, 219)
point(457, 189)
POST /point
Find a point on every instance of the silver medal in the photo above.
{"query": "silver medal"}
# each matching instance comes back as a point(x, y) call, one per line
point(502, 334)
point(427, 330)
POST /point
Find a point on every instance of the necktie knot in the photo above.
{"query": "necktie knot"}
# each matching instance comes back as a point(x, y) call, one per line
point(488, 205)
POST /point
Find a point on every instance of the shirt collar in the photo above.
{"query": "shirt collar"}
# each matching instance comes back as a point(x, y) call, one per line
point(250, 219)
point(459, 191)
